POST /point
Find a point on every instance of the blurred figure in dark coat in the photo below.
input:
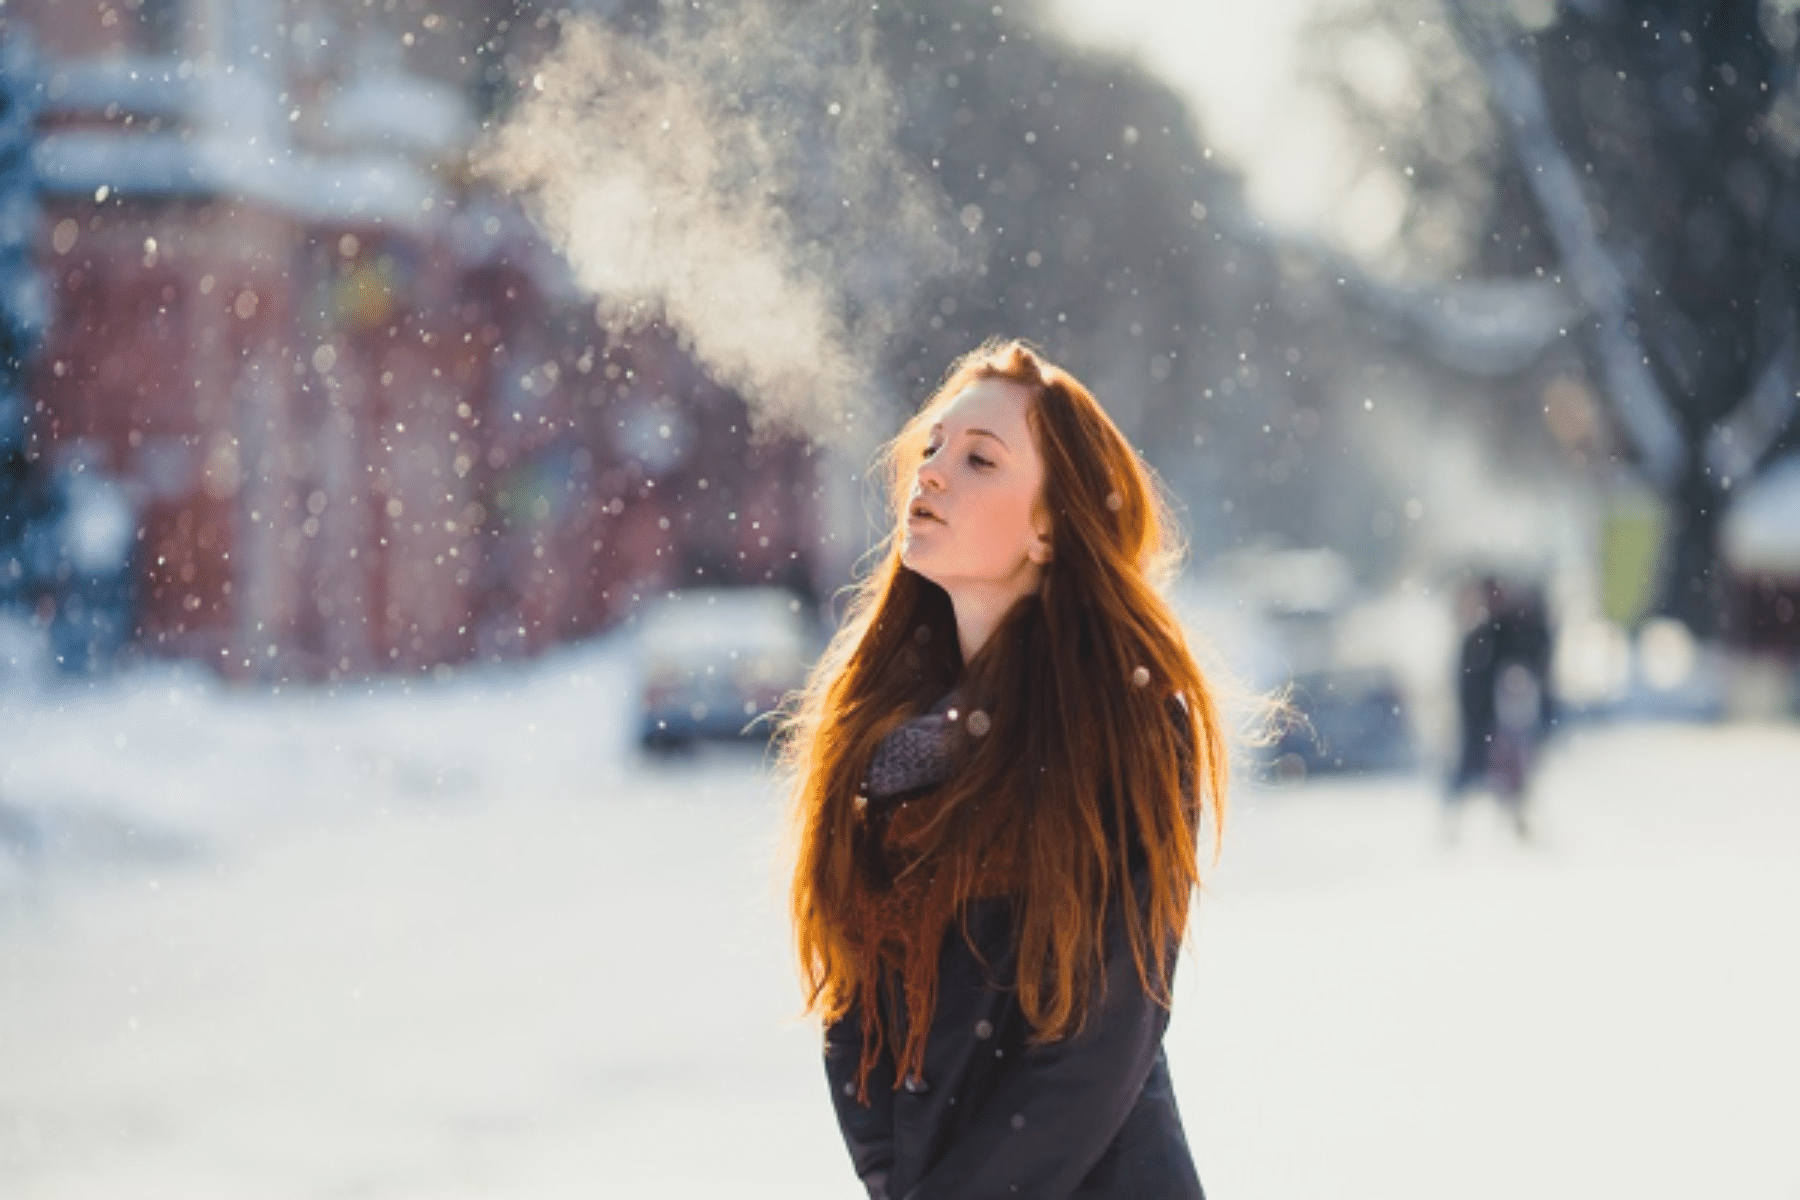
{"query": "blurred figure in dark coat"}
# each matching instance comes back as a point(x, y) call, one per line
point(1503, 674)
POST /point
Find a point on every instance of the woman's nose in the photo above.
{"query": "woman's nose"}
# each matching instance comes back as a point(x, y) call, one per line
point(930, 476)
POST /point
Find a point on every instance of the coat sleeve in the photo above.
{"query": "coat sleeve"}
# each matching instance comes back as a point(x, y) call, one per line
point(1058, 1107)
point(868, 1129)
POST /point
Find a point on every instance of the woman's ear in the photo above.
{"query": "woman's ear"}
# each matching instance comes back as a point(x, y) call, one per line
point(1039, 550)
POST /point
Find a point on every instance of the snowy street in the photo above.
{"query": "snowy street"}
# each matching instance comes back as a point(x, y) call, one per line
point(459, 940)
point(408, 411)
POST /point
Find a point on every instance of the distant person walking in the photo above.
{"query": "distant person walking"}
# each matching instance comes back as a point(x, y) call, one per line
point(1002, 767)
point(1503, 693)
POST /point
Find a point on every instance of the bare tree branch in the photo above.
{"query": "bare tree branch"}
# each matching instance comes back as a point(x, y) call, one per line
point(1638, 400)
point(1736, 447)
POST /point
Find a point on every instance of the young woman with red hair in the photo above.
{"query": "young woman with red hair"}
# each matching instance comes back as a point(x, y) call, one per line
point(1001, 769)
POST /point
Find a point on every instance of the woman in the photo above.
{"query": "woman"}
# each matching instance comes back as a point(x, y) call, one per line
point(1001, 767)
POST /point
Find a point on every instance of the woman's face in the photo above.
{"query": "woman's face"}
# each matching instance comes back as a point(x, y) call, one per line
point(980, 480)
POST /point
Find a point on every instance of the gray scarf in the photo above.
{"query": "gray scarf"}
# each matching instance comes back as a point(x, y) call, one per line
point(917, 753)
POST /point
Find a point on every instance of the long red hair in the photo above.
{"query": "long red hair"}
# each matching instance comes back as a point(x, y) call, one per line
point(1077, 680)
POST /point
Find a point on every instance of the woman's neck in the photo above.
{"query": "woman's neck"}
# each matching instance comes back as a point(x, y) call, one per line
point(980, 609)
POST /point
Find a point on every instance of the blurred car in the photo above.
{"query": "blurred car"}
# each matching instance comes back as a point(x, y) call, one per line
point(713, 660)
point(1357, 668)
point(1350, 719)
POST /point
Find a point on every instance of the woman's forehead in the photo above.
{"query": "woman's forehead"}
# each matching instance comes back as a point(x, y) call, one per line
point(995, 404)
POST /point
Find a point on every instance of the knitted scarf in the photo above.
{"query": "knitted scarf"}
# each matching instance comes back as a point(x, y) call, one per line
point(904, 903)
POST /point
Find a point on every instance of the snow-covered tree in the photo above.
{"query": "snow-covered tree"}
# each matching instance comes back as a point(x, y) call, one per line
point(26, 496)
point(65, 535)
point(1647, 157)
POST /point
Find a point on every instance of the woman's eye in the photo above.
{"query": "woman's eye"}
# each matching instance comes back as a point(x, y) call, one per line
point(974, 459)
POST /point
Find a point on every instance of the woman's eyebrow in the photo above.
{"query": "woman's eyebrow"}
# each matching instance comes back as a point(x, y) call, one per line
point(939, 428)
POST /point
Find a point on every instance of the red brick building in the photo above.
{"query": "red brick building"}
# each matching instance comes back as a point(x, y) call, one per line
point(367, 422)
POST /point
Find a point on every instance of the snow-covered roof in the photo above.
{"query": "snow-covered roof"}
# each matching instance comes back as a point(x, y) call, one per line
point(1483, 327)
point(1761, 532)
point(1494, 326)
point(150, 86)
point(1488, 328)
point(240, 143)
point(376, 187)
point(397, 111)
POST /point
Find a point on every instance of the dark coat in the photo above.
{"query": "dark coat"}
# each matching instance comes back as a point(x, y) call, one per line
point(1517, 632)
point(1091, 1116)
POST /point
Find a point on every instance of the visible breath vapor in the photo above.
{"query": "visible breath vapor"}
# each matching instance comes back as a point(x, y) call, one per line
point(735, 175)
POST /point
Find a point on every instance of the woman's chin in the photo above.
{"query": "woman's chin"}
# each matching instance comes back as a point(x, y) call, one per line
point(914, 558)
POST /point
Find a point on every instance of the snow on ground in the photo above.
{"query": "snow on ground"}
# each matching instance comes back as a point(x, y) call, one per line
point(457, 940)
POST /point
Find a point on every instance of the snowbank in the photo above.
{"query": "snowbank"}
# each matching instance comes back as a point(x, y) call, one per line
point(456, 940)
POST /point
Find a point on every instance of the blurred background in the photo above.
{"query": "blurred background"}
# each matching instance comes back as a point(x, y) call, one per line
point(432, 435)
